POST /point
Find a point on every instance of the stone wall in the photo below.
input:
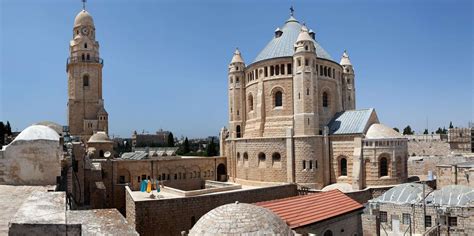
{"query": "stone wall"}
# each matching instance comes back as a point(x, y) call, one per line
point(345, 225)
point(173, 215)
point(418, 147)
point(31, 162)
point(454, 175)
point(420, 165)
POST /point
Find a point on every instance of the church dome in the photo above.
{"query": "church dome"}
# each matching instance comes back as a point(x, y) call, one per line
point(377, 131)
point(83, 18)
point(283, 46)
point(240, 219)
point(37, 132)
point(99, 137)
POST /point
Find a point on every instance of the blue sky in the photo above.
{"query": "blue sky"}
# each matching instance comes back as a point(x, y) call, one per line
point(166, 61)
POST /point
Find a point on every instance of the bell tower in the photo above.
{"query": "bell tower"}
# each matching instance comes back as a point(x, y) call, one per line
point(86, 112)
point(236, 95)
point(348, 83)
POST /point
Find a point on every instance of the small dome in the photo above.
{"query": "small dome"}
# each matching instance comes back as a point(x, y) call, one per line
point(377, 131)
point(83, 18)
point(240, 219)
point(304, 35)
point(99, 137)
point(343, 187)
point(237, 57)
point(345, 61)
point(37, 132)
point(404, 193)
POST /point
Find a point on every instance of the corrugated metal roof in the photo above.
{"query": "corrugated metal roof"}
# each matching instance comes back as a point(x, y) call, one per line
point(452, 195)
point(350, 122)
point(308, 209)
point(408, 193)
point(138, 155)
point(283, 46)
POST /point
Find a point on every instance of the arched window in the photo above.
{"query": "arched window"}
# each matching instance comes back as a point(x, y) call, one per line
point(276, 158)
point(83, 57)
point(304, 165)
point(246, 158)
point(85, 45)
point(88, 57)
point(328, 233)
point(343, 167)
point(383, 166)
point(101, 153)
point(238, 158)
point(237, 131)
point(325, 99)
point(250, 102)
point(278, 99)
point(261, 160)
point(85, 80)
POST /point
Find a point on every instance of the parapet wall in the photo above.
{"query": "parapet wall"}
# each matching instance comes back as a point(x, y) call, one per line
point(173, 215)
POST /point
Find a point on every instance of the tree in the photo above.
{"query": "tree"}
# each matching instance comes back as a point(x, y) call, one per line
point(211, 148)
point(408, 131)
point(8, 128)
point(170, 140)
point(451, 125)
point(186, 146)
point(426, 131)
point(2, 134)
point(396, 129)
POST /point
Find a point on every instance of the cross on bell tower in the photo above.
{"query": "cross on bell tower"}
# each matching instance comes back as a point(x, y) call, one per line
point(84, 4)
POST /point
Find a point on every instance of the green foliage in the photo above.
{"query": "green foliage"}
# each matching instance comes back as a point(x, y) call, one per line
point(170, 140)
point(211, 149)
point(441, 131)
point(396, 129)
point(451, 125)
point(8, 128)
point(408, 131)
point(186, 148)
point(2, 133)
point(426, 131)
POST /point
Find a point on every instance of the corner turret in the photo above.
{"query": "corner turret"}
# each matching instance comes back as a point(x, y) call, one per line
point(236, 79)
point(348, 82)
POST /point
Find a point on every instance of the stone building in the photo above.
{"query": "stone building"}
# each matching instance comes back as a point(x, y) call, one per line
point(413, 209)
point(160, 138)
point(461, 140)
point(86, 112)
point(33, 158)
point(292, 118)
point(455, 174)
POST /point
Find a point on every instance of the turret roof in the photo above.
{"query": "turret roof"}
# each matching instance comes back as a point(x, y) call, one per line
point(345, 61)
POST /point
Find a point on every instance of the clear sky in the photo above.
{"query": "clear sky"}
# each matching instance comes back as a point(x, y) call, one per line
point(166, 61)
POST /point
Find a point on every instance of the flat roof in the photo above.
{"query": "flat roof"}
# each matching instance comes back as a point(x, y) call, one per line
point(11, 199)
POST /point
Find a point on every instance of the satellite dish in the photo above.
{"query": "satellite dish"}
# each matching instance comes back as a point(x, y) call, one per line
point(107, 154)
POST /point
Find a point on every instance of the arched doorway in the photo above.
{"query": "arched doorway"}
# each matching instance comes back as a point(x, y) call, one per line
point(221, 173)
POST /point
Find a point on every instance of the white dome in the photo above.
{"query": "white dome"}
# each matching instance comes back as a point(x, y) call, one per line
point(38, 132)
point(57, 127)
point(99, 137)
point(83, 18)
point(379, 131)
point(240, 219)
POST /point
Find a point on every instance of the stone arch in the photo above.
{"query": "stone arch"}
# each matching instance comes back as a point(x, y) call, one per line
point(384, 166)
point(277, 93)
point(246, 159)
point(342, 165)
point(276, 159)
point(250, 102)
point(163, 173)
point(261, 160)
point(123, 176)
point(193, 171)
point(221, 172)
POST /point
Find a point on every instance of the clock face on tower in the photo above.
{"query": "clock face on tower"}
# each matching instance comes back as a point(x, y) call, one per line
point(84, 31)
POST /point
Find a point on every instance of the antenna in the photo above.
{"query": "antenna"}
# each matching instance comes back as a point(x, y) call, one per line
point(292, 10)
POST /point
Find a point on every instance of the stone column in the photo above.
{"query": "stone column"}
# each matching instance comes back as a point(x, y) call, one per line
point(290, 156)
point(357, 165)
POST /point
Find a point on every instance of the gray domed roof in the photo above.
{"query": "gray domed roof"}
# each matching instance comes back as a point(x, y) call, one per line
point(99, 137)
point(283, 46)
point(452, 195)
point(240, 219)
